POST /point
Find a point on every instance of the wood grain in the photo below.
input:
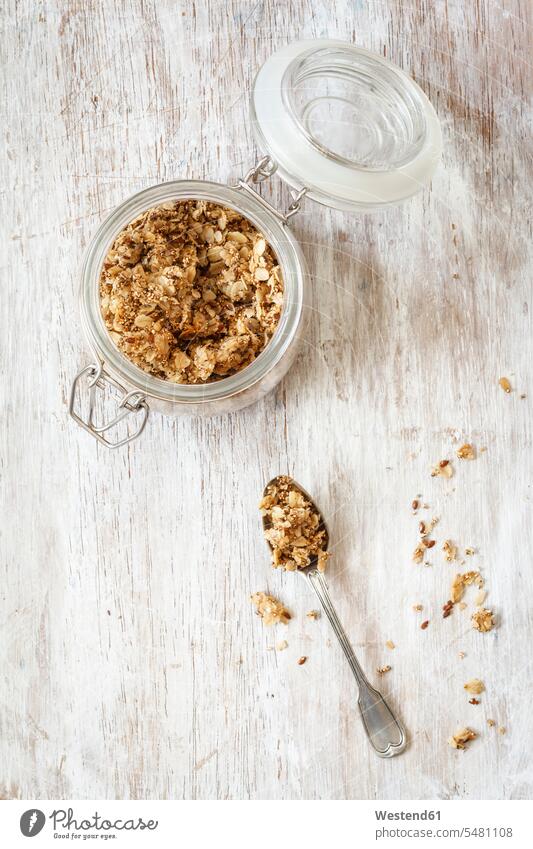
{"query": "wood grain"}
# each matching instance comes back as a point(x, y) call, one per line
point(133, 666)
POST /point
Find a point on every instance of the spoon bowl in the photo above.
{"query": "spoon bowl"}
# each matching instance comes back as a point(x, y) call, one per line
point(322, 524)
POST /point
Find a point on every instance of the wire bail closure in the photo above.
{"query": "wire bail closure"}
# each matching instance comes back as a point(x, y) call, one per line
point(131, 402)
point(260, 172)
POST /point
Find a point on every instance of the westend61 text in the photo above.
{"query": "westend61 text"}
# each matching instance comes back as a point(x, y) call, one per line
point(407, 815)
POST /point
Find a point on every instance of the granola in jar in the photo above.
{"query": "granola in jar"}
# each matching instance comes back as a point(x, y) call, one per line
point(191, 292)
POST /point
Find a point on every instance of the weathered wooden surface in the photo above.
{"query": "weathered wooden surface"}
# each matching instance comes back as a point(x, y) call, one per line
point(132, 663)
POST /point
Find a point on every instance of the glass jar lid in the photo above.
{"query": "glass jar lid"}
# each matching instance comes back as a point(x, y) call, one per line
point(345, 124)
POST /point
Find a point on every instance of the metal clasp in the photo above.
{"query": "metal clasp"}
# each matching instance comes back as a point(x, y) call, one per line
point(262, 171)
point(131, 402)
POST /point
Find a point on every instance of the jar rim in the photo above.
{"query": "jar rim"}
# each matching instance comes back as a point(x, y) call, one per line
point(289, 256)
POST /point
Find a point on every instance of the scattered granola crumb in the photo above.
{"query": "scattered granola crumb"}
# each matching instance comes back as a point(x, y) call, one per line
point(313, 614)
point(491, 723)
point(474, 702)
point(382, 670)
point(422, 528)
point(462, 655)
point(270, 609)
point(469, 551)
point(417, 608)
point(414, 504)
point(294, 531)
point(418, 553)
point(450, 550)
point(424, 624)
point(474, 687)
point(501, 730)
point(443, 469)
point(480, 598)
point(460, 582)
point(191, 292)
point(523, 396)
point(390, 644)
point(466, 452)
point(302, 660)
point(483, 620)
point(505, 385)
point(462, 605)
point(428, 543)
point(282, 645)
point(462, 737)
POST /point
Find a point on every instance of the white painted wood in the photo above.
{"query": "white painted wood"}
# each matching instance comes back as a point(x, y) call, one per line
point(133, 666)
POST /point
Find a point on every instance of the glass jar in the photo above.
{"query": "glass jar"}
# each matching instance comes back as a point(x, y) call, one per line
point(341, 126)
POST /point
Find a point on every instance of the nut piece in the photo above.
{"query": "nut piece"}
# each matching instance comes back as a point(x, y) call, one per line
point(483, 620)
point(474, 702)
point(190, 291)
point(474, 687)
point(505, 385)
point(390, 644)
point(424, 624)
point(382, 670)
point(302, 660)
point(466, 452)
point(270, 609)
point(447, 609)
point(294, 532)
point(462, 737)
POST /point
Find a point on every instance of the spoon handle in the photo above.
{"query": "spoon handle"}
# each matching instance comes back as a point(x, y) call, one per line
point(383, 729)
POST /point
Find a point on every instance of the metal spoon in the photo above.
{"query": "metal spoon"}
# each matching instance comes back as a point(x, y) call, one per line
point(383, 729)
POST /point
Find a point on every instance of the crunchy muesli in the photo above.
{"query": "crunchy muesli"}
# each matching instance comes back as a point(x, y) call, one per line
point(382, 670)
point(419, 553)
point(466, 452)
point(474, 687)
point(483, 620)
point(270, 609)
point(190, 291)
point(462, 737)
point(480, 598)
point(460, 583)
point(293, 526)
point(450, 551)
